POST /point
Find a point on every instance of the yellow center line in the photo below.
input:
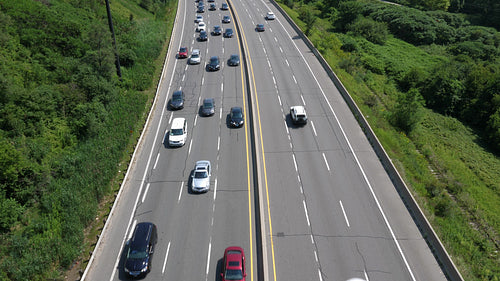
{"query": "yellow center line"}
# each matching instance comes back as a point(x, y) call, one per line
point(247, 156)
point(263, 155)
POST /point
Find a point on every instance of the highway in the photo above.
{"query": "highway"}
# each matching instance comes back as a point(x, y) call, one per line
point(329, 210)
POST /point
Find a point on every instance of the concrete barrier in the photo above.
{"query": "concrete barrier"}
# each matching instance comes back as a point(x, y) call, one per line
point(437, 248)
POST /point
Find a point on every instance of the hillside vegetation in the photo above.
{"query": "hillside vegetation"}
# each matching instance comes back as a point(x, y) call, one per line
point(66, 120)
point(428, 81)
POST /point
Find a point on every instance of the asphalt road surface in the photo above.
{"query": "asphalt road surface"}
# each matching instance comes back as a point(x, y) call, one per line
point(329, 210)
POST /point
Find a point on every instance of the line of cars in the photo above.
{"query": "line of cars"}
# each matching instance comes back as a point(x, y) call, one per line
point(141, 245)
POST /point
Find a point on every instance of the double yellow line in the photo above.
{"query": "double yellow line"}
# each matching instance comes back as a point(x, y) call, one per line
point(247, 151)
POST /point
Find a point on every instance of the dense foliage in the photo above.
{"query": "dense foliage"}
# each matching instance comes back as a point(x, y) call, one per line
point(466, 86)
point(65, 120)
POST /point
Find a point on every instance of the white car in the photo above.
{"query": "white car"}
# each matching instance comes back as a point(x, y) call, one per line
point(198, 19)
point(195, 57)
point(201, 26)
point(270, 16)
point(298, 115)
point(200, 178)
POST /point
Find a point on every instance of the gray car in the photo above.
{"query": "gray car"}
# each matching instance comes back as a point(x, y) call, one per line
point(201, 176)
point(208, 107)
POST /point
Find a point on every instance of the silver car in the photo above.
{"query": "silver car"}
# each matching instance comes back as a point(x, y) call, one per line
point(195, 57)
point(201, 176)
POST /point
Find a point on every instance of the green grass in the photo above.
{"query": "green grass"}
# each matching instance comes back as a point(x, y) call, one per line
point(453, 177)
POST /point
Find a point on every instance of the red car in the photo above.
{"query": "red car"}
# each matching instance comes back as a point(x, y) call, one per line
point(183, 53)
point(234, 264)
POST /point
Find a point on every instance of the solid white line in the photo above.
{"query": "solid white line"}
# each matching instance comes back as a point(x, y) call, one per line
point(286, 60)
point(274, 80)
point(166, 258)
point(265, 52)
point(215, 189)
point(295, 163)
point(157, 157)
point(314, 128)
point(146, 170)
point(287, 130)
point(131, 230)
point(180, 192)
point(301, 190)
point(343, 211)
point(307, 216)
point(312, 238)
point(145, 192)
point(208, 256)
point(190, 144)
point(366, 276)
point(326, 162)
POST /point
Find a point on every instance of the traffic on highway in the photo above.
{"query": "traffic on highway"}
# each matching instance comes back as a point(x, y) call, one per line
point(252, 167)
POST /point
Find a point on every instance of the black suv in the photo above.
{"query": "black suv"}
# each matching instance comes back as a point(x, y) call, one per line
point(141, 249)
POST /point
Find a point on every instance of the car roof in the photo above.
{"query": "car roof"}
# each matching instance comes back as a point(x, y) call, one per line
point(178, 92)
point(141, 235)
point(178, 122)
point(208, 100)
point(234, 254)
point(299, 109)
point(202, 164)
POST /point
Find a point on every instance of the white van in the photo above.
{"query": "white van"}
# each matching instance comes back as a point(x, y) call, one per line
point(178, 132)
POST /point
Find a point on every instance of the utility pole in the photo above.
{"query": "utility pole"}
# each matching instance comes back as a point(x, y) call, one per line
point(117, 58)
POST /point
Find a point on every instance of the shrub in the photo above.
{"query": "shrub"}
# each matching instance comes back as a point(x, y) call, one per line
point(373, 31)
point(408, 111)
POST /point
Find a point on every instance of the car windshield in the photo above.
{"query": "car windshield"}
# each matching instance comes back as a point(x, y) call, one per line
point(176, 132)
point(177, 97)
point(234, 57)
point(194, 55)
point(207, 104)
point(183, 50)
point(139, 253)
point(201, 174)
point(237, 114)
point(214, 60)
point(233, 274)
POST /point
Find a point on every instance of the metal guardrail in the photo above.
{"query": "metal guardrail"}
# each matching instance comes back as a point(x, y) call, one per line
point(437, 248)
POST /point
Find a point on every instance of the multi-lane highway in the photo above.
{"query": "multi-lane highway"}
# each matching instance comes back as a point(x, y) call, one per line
point(328, 209)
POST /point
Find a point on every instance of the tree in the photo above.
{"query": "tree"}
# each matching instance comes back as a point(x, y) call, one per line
point(373, 31)
point(306, 14)
point(408, 111)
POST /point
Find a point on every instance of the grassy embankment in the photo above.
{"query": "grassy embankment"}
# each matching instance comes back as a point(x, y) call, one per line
point(153, 35)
